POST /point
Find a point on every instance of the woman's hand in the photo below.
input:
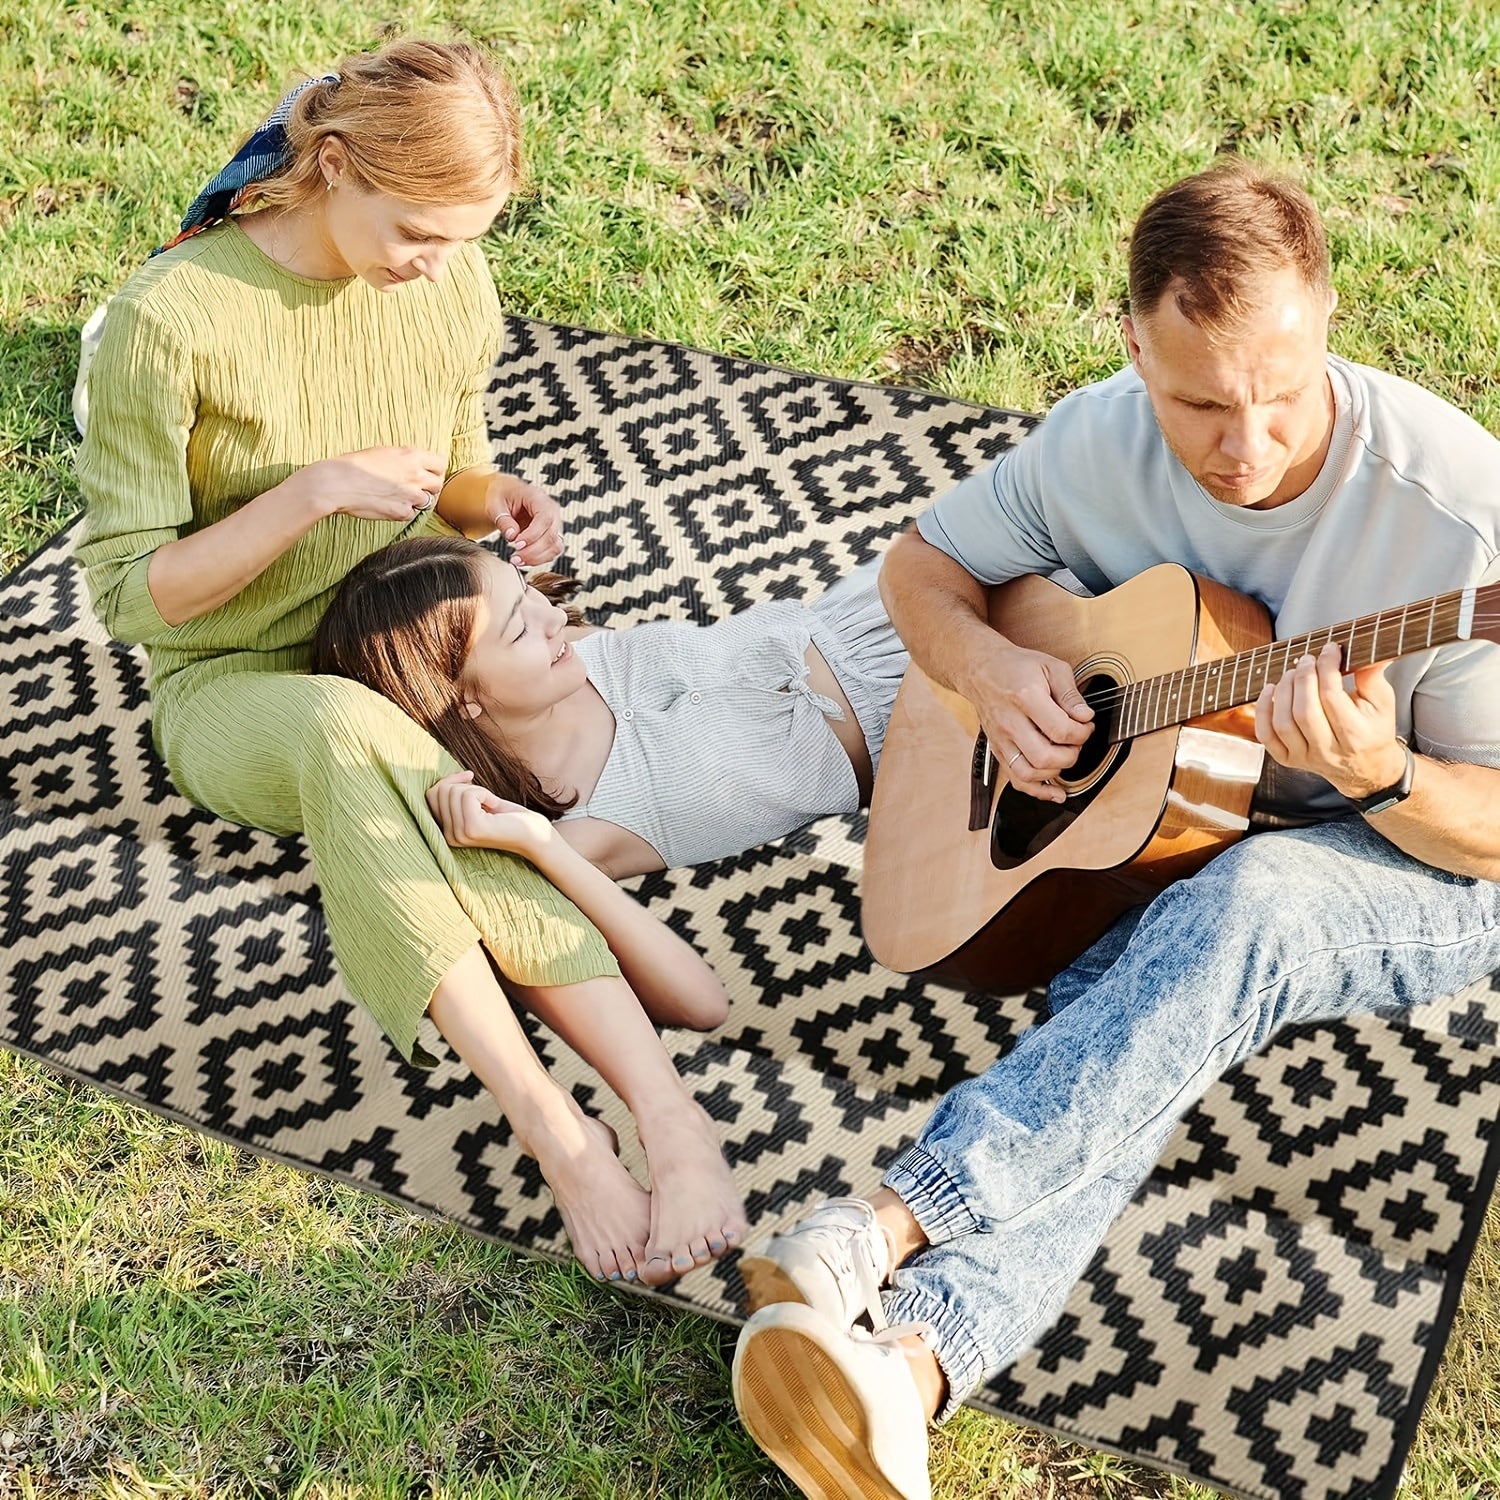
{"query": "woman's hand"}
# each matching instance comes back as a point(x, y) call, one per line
point(527, 517)
point(473, 818)
point(375, 484)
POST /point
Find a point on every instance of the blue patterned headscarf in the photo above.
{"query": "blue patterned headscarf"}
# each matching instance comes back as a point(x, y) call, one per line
point(263, 155)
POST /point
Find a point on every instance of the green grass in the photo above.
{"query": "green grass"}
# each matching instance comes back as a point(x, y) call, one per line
point(929, 192)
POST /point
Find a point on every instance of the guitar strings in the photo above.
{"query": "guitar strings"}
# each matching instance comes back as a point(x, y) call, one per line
point(1445, 614)
point(1196, 677)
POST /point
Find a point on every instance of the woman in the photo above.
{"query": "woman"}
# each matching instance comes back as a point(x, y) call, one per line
point(666, 744)
point(281, 393)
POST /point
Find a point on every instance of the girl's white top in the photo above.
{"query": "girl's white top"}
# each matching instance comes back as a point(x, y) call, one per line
point(720, 744)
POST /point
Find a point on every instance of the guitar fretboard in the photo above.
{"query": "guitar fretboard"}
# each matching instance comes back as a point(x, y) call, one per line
point(1213, 686)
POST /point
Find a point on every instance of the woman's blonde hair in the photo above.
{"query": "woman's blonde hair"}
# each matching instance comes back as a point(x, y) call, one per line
point(425, 122)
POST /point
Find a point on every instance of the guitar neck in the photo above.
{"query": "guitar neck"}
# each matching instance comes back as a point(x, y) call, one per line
point(1230, 681)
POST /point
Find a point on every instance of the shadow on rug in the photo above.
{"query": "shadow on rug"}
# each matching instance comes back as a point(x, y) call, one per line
point(1268, 1314)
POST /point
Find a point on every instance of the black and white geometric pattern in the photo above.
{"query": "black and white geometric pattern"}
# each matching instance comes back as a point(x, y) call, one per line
point(1266, 1316)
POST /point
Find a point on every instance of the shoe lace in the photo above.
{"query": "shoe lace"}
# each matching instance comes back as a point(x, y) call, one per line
point(895, 1332)
point(849, 1255)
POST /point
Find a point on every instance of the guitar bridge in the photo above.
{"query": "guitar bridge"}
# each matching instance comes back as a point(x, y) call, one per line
point(981, 784)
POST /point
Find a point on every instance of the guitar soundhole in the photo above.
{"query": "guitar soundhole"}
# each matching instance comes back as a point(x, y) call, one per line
point(1025, 825)
point(1096, 748)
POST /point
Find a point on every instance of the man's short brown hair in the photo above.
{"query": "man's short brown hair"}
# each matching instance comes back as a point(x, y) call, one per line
point(1211, 238)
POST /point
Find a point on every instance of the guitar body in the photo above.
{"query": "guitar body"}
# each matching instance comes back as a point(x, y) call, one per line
point(1007, 905)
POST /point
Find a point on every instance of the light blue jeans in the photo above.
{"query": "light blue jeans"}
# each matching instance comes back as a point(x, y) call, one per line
point(1020, 1171)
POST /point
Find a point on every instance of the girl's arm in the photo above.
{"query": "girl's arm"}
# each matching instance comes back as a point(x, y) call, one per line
point(674, 984)
point(615, 850)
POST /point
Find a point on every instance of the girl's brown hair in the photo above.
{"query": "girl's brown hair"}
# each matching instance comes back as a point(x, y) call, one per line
point(425, 122)
point(401, 624)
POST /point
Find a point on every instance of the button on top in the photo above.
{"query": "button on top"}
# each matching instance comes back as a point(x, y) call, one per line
point(627, 713)
point(696, 697)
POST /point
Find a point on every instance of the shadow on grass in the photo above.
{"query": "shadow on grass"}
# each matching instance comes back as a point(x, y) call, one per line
point(38, 360)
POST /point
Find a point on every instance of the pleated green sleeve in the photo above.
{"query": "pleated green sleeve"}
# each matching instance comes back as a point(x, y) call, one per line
point(471, 432)
point(133, 465)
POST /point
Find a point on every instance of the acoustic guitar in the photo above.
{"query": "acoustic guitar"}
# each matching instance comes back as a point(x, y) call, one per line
point(976, 882)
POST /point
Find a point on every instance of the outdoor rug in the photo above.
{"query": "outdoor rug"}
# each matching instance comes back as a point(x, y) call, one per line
point(1266, 1317)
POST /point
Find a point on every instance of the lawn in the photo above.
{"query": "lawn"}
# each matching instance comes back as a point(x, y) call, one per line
point(926, 192)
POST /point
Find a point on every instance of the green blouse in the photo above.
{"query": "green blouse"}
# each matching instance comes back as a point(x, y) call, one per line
point(218, 375)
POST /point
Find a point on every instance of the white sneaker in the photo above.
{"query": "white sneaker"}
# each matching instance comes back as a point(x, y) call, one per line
point(836, 1260)
point(837, 1412)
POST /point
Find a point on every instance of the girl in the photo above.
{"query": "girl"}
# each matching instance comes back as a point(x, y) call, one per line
point(285, 391)
point(665, 744)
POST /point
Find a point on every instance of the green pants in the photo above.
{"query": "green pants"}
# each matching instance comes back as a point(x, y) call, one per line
point(293, 753)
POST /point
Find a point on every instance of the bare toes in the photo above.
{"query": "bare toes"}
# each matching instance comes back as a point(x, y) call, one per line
point(657, 1270)
point(693, 1195)
point(605, 1212)
point(724, 1240)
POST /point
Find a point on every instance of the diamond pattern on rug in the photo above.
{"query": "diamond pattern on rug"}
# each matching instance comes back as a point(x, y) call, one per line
point(1261, 1317)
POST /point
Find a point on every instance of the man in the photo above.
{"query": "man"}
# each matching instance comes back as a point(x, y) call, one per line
point(1236, 445)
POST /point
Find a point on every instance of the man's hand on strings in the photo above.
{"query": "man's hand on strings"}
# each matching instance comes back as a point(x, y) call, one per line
point(1034, 715)
point(1310, 721)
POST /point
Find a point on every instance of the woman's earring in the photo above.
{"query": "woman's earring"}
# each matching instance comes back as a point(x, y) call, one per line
point(330, 184)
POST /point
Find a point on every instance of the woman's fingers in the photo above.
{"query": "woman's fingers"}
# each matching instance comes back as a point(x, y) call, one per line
point(392, 483)
point(544, 528)
point(547, 547)
point(534, 522)
point(522, 512)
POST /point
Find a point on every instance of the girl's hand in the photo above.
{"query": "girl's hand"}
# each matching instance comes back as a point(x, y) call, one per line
point(473, 818)
point(375, 484)
point(527, 517)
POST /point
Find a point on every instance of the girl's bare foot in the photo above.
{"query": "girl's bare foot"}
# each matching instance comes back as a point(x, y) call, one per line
point(605, 1211)
point(587, 1119)
point(696, 1213)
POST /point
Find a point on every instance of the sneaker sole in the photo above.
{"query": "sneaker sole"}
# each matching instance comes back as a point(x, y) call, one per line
point(796, 1403)
point(766, 1281)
